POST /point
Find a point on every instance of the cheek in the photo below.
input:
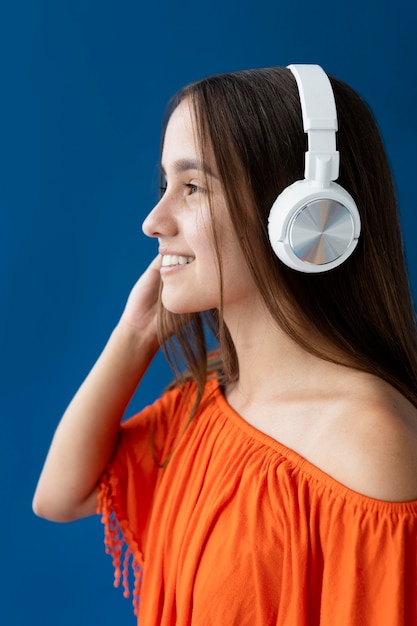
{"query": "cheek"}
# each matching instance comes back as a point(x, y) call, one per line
point(208, 236)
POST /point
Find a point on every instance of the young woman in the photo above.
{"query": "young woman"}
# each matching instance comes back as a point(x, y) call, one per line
point(275, 482)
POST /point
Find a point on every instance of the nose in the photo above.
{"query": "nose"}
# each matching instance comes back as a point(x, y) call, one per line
point(160, 222)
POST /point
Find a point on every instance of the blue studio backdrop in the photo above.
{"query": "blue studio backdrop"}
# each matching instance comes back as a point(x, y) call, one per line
point(83, 88)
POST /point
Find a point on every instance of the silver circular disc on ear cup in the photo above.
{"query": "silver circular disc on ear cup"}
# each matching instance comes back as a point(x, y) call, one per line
point(320, 230)
point(314, 229)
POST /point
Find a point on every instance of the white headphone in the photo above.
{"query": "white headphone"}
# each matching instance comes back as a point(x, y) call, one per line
point(314, 223)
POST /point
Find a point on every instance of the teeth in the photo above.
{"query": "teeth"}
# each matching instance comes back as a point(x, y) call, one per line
point(175, 259)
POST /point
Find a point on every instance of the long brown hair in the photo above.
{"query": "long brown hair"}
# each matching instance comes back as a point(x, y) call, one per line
point(252, 120)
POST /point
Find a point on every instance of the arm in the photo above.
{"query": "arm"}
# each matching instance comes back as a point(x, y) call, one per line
point(85, 438)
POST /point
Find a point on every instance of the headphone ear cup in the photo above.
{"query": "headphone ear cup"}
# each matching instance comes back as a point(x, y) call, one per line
point(313, 229)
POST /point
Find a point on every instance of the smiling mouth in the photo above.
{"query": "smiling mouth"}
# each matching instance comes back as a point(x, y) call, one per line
point(169, 260)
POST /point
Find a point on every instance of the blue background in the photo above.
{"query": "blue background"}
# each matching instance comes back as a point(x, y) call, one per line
point(83, 87)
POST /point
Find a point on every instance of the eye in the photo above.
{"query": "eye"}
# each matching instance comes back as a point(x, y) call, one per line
point(163, 184)
point(192, 188)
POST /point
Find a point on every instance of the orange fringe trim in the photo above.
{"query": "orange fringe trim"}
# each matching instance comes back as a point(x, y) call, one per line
point(116, 544)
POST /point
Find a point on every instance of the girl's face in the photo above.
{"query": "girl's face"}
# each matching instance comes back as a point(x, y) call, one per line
point(182, 223)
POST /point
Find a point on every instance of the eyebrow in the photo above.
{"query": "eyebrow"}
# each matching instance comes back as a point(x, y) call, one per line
point(184, 165)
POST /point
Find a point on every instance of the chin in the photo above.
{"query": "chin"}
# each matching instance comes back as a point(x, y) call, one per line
point(173, 306)
point(175, 302)
point(183, 308)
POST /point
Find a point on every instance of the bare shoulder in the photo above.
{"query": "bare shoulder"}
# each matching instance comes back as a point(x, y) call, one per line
point(376, 446)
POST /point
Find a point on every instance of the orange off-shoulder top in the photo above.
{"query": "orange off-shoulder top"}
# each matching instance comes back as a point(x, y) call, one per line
point(238, 530)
